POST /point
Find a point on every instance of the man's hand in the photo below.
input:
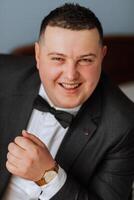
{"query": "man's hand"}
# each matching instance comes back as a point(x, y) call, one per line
point(28, 157)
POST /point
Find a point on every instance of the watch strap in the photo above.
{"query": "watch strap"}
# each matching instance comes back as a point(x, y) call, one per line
point(42, 181)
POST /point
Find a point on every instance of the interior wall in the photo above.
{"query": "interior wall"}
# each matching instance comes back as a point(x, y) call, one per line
point(20, 20)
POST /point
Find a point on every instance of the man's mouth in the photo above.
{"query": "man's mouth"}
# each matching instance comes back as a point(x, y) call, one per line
point(70, 86)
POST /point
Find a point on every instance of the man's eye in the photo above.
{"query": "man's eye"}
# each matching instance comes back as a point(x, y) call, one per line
point(85, 61)
point(57, 59)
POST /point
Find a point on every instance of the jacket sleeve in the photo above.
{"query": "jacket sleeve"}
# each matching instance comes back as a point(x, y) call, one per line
point(112, 180)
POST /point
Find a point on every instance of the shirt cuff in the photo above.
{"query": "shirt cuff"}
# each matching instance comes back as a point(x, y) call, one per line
point(49, 190)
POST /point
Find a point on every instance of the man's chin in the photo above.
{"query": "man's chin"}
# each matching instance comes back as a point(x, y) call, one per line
point(68, 105)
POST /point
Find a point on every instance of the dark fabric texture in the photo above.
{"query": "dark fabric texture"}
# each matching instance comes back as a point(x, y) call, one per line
point(97, 151)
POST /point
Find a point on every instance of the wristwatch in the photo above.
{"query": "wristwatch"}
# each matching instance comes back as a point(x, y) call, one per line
point(48, 176)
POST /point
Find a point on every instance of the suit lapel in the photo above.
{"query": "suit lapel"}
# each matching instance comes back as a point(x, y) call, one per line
point(80, 132)
point(75, 140)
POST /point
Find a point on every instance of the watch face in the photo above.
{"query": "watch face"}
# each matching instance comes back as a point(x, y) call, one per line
point(50, 175)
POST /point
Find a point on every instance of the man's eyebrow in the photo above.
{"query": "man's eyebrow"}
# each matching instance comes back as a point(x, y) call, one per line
point(63, 55)
point(87, 55)
point(56, 53)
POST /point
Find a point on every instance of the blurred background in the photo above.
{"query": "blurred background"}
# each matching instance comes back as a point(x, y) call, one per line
point(20, 20)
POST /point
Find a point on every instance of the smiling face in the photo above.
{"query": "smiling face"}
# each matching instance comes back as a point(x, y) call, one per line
point(69, 64)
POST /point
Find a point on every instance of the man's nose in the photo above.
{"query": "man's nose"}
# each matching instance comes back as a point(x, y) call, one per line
point(71, 71)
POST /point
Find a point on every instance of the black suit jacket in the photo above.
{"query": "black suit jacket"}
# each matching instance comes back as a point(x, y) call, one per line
point(97, 151)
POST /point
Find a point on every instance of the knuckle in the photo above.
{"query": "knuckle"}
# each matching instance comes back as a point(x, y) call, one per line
point(7, 164)
point(8, 155)
point(17, 139)
point(10, 146)
point(29, 163)
point(36, 151)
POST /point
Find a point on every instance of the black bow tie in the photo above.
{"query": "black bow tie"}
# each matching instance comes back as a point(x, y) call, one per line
point(64, 118)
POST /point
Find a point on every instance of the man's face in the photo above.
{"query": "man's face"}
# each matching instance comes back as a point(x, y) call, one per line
point(69, 64)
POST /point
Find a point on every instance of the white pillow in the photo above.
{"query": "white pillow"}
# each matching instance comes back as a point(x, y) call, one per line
point(128, 89)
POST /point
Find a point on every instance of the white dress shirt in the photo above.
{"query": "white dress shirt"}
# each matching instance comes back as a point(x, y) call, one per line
point(50, 132)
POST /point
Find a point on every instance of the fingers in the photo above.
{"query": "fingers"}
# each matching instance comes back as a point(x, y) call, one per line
point(13, 160)
point(24, 143)
point(16, 150)
point(28, 157)
point(15, 157)
point(33, 138)
point(16, 166)
point(11, 167)
point(12, 163)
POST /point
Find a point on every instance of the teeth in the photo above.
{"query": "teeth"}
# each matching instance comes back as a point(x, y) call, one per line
point(70, 86)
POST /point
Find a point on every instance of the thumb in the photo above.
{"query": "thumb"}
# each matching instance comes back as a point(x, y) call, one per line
point(33, 138)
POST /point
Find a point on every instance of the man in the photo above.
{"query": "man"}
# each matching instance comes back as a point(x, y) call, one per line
point(90, 155)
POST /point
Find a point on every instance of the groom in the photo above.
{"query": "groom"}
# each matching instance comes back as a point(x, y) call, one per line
point(69, 130)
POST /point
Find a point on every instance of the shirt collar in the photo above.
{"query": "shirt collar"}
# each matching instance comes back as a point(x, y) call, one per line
point(44, 95)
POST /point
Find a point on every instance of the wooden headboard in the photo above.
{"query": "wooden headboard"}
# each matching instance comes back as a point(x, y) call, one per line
point(118, 63)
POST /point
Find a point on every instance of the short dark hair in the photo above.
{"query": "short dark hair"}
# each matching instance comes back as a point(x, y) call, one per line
point(74, 17)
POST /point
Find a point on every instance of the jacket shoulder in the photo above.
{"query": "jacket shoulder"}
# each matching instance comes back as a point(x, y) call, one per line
point(16, 72)
point(117, 108)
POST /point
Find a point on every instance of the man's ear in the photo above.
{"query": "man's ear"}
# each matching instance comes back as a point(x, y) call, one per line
point(104, 51)
point(37, 54)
